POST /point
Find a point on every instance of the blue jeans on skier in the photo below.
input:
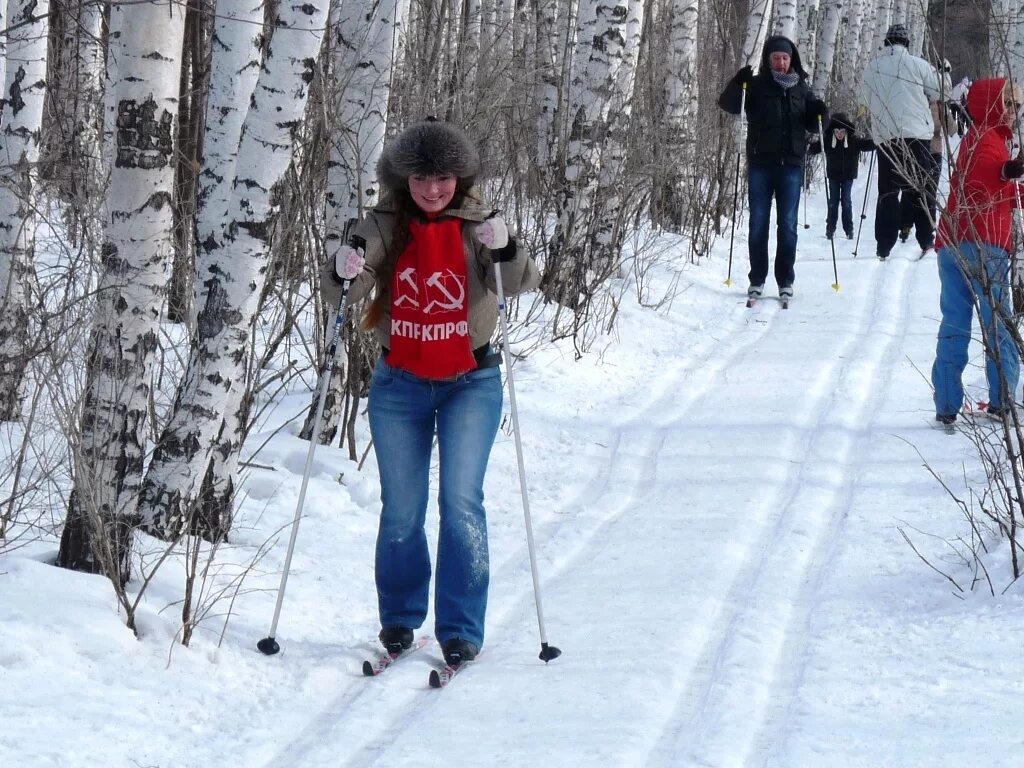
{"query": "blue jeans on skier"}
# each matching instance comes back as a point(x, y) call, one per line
point(783, 183)
point(840, 192)
point(982, 274)
point(405, 411)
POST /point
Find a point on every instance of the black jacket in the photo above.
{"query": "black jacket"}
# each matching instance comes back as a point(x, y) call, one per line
point(777, 118)
point(841, 160)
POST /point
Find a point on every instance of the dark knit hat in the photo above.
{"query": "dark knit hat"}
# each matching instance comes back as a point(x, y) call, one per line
point(428, 148)
point(779, 45)
point(897, 35)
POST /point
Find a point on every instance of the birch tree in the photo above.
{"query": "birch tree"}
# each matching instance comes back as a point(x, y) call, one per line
point(786, 14)
point(807, 29)
point(217, 359)
point(547, 80)
point(21, 118)
point(595, 85)
point(848, 71)
point(681, 101)
point(364, 49)
point(1001, 16)
point(917, 25)
point(143, 71)
point(757, 31)
point(828, 33)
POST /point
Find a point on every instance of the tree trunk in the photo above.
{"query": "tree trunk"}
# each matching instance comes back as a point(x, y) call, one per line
point(786, 19)
point(362, 71)
point(145, 50)
point(827, 34)
point(807, 26)
point(21, 118)
point(233, 290)
point(757, 30)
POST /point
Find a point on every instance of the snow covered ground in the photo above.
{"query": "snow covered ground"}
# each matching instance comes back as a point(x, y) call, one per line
point(717, 494)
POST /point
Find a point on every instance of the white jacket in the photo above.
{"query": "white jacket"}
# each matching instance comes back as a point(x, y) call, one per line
point(896, 90)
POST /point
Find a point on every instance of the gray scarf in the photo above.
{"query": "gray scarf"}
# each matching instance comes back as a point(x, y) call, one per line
point(787, 80)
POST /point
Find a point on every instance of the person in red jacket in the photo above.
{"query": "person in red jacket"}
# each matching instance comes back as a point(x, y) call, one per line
point(973, 242)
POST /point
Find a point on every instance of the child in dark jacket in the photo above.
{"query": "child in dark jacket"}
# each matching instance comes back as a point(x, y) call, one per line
point(842, 158)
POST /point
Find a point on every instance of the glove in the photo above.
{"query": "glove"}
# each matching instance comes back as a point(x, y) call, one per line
point(492, 233)
point(744, 76)
point(348, 262)
point(818, 109)
point(1013, 169)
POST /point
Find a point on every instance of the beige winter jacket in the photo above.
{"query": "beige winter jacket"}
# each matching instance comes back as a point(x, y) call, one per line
point(517, 276)
point(945, 126)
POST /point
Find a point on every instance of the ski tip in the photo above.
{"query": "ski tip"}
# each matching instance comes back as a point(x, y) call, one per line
point(435, 679)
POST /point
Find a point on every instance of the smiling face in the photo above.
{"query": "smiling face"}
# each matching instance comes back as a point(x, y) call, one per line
point(432, 193)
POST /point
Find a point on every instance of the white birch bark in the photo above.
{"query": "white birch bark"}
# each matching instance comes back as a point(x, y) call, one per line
point(681, 87)
point(608, 229)
point(1016, 44)
point(467, 60)
point(143, 72)
point(21, 119)
point(807, 29)
point(1001, 15)
point(364, 51)
point(546, 84)
point(217, 360)
point(596, 86)
point(827, 34)
point(916, 15)
point(757, 31)
point(786, 19)
point(849, 69)
point(884, 15)
point(234, 68)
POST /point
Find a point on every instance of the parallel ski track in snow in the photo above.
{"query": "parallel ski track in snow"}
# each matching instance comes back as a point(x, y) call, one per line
point(789, 675)
point(779, 580)
point(342, 728)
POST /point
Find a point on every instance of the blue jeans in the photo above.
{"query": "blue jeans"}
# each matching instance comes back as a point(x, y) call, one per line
point(405, 411)
point(982, 274)
point(782, 182)
point(840, 192)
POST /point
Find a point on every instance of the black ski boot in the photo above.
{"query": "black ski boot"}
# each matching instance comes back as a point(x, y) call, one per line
point(458, 651)
point(396, 639)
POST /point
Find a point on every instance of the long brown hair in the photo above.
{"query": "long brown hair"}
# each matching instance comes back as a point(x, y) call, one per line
point(405, 209)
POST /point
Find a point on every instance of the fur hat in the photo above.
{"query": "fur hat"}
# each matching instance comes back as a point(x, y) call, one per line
point(897, 35)
point(428, 148)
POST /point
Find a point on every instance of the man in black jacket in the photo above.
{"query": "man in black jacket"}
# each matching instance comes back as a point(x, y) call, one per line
point(780, 109)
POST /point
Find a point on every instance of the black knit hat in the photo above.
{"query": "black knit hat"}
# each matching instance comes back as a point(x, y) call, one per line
point(428, 148)
point(779, 45)
point(897, 35)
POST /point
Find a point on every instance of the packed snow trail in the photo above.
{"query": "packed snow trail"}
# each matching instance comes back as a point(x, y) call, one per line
point(683, 570)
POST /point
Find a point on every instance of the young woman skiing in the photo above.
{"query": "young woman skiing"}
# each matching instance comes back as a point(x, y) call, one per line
point(429, 255)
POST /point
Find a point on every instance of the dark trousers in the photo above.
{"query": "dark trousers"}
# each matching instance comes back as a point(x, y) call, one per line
point(840, 193)
point(904, 178)
point(931, 194)
point(781, 182)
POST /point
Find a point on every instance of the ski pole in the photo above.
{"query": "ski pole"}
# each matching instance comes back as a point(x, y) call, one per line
point(828, 201)
point(735, 185)
point(269, 645)
point(864, 207)
point(547, 652)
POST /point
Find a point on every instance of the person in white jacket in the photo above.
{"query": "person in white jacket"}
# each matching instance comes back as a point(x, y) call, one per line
point(896, 91)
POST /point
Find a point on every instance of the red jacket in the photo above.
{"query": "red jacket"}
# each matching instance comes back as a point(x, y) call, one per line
point(980, 203)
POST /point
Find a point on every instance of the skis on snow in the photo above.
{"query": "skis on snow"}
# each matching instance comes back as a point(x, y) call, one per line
point(439, 678)
point(753, 300)
point(385, 659)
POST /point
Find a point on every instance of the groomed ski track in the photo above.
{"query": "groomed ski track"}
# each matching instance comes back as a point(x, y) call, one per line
point(686, 559)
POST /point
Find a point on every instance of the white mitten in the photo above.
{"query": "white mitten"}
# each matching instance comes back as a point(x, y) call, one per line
point(493, 233)
point(348, 262)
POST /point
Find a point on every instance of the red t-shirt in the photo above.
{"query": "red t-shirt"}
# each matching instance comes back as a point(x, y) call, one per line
point(430, 303)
